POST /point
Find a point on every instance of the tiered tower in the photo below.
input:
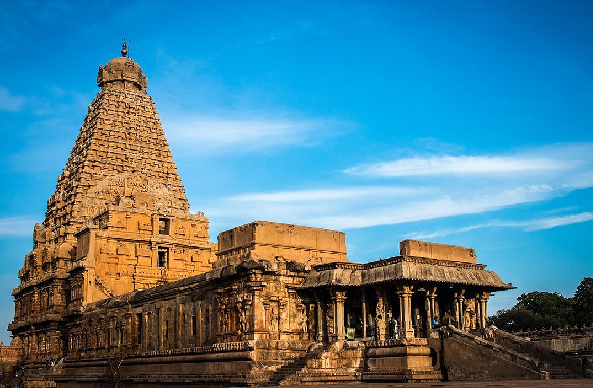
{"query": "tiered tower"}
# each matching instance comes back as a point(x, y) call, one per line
point(118, 221)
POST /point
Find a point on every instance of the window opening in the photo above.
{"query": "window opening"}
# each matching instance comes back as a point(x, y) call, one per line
point(163, 254)
point(164, 224)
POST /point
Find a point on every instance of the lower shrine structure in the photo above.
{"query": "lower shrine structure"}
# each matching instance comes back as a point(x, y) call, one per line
point(124, 288)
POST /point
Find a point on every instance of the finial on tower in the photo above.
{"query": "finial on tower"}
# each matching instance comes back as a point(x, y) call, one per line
point(124, 48)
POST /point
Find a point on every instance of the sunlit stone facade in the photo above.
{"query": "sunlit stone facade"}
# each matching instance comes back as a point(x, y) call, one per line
point(123, 286)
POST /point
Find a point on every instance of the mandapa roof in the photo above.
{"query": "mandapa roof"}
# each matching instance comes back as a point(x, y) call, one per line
point(403, 268)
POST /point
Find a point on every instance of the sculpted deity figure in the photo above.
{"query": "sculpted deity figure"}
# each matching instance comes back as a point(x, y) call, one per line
point(242, 320)
point(273, 321)
point(304, 321)
point(467, 321)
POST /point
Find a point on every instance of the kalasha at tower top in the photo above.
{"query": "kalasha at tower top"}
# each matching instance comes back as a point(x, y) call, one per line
point(122, 73)
point(118, 220)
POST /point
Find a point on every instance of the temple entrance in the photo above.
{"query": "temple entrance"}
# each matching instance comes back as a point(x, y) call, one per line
point(353, 314)
point(420, 314)
point(447, 310)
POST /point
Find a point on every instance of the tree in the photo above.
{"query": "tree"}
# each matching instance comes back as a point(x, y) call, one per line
point(535, 310)
point(520, 318)
point(550, 305)
point(583, 303)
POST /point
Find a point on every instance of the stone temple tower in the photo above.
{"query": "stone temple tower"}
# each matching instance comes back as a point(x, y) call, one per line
point(118, 221)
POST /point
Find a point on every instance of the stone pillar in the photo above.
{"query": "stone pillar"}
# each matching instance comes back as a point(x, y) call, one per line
point(266, 323)
point(459, 299)
point(428, 301)
point(256, 314)
point(145, 331)
point(179, 335)
point(338, 299)
point(407, 329)
point(320, 315)
point(400, 300)
point(380, 328)
point(364, 312)
point(128, 329)
point(483, 309)
point(199, 324)
point(283, 317)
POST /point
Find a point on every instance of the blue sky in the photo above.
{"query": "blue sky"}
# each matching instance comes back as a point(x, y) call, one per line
point(459, 122)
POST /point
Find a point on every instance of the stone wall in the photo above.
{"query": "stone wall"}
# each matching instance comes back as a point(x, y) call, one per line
point(564, 339)
point(227, 325)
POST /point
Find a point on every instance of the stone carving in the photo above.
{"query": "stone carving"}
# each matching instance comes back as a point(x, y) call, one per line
point(304, 321)
point(119, 220)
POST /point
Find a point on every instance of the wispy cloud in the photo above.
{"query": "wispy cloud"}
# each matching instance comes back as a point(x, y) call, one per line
point(328, 194)
point(358, 208)
point(529, 225)
point(252, 133)
point(553, 222)
point(429, 195)
point(10, 102)
point(456, 165)
point(16, 226)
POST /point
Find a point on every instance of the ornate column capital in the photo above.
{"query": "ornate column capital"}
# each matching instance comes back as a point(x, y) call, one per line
point(405, 290)
point(338, 296)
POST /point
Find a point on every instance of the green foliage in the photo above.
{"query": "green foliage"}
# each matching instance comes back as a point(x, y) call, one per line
point(583, 302)
point(549, 305)
point(521, 318)
point(535, 310)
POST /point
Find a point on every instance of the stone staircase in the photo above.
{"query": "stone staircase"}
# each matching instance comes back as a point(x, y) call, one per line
point(561, 372)
point(322, 363)
point(557, 364)
point(465, 356)
point(289, 373)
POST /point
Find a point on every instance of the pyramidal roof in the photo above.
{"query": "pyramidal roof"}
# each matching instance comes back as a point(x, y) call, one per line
point(121, 157)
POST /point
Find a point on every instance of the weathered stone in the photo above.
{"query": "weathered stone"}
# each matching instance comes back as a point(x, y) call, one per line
point(123, 285)
point(437, 251)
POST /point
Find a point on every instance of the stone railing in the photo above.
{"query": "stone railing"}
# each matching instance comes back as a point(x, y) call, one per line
point(397, 342)
point(550, 333)
point(537, 351)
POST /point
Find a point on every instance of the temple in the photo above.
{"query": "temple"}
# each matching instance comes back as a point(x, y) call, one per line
point(123, 285)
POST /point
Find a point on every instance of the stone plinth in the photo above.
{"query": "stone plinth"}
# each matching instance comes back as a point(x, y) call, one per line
point(405, 360)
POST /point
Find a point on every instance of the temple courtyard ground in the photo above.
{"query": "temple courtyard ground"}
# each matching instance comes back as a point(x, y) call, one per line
point(578, 383)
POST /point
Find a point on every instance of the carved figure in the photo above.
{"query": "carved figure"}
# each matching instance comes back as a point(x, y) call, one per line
point(242, 321)
point(467, 321)
point(304, 321)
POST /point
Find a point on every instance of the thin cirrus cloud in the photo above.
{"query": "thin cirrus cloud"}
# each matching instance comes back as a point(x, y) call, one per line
point(458, 165)
point(328, 194)
point(349, 208)
point(546, 159)
point(530, 225)
point(537, 174)
point(250, 133)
